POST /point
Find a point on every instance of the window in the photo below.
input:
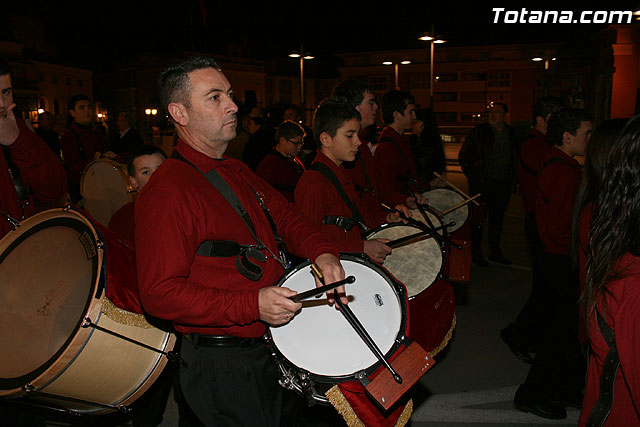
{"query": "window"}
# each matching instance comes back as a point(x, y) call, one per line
point(418, 81)
point(447, 77)
point(471, 117)
point(68, 79)
point(499, 79)
point(473, 96)
point(473, 77)
point(450, 117)
point(445, 97)
point(378, 82)
point(285, 87)
point(80, 83)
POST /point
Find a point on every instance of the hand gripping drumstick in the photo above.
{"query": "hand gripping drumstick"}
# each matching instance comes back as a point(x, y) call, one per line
point(357, 326)
point(322, 289)
point(457, 189)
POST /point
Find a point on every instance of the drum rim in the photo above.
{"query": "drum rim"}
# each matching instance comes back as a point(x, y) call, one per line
point(400, 339)
point(443, 251)
point(33, 224)
point(457, 226)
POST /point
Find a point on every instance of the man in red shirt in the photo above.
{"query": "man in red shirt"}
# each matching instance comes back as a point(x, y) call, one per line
point(282, 168)
point(336, 125)
point(142, 163)
point(556, 377)
point(395, 168)
point(520, 335)
point(30, 172)
point(208, 254)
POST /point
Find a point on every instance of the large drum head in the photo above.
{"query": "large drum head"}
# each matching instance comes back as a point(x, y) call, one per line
point(443, 199)
point(320, 341)
point(417, 265)
point(105, 188)
point(48, 276)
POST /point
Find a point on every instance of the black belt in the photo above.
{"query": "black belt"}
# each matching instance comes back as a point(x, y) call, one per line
point(221, 340)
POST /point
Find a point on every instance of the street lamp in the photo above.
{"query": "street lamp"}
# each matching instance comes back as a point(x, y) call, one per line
point(302, 55)
point(395, 63)
point(432, 39)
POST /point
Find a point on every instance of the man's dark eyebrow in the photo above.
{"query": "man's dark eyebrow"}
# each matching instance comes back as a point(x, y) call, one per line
point(217, 90)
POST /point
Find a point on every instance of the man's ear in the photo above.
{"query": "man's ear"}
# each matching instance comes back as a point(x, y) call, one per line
point(133, 182)
point(540, 122)
point(566, 137)
point(178, 113)
point(325, 139)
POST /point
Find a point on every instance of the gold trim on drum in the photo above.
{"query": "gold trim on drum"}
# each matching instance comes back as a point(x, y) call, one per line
point(341, 404)
point(123, 317)
point(446, 339)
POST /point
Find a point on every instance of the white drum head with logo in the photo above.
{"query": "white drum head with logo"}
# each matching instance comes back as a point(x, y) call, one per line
point(319, 340)
point(417, 265)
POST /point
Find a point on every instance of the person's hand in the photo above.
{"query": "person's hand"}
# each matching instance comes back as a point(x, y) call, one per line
point(8, 127)
point(417, 128)
point(110, 154)
point(377, 249)
point(397, 216)
point(411, 202)
point(332, 271)
point(439, 182)
point(275, 306)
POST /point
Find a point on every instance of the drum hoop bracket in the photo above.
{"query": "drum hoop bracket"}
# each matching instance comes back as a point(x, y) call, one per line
point(88, 323)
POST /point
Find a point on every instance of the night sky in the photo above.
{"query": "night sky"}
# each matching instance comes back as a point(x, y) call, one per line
point(104, 32)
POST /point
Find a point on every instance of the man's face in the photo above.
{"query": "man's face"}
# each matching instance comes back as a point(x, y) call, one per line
point(405, 119)
point(6, 94)
point(291, 147)
point(122, 123)
point(45, 121)
point(497, 116)
point(82, 113)
point(579, 141)
point(212, 114)
point(368, 109)
point(145, 166)
point(291, 114)
point(342, 147)
point(253, 127)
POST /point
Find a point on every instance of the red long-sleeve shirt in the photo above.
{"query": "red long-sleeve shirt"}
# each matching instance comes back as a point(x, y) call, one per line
point(316, 197)
point(91, 141)
point(623, 308)
point(557, 187)
point(391, 167)
point(282, 173)
point(178, 210)
point(40, 169)
point(534, 150)
point(364, 179)
point(123, 223)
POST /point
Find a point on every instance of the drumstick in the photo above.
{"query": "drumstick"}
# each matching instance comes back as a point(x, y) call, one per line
point(322, 289)
point(415, 238)
point(456, 188)
point(461, 204)
point(420, 225)
point(434, 210)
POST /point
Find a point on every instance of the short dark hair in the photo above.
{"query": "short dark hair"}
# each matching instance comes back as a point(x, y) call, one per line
point(352, 91)
point(142, 150)
point(565, 120)
point(258, 120)
point(545, 106)
point(5, 68)
point(174, 84)
point(395, 100)
point(288, 130)
point(330, 115)
point(501, 104)
point(77, 98)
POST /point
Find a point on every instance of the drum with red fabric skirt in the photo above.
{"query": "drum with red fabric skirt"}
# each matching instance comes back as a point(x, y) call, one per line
point(74, 336)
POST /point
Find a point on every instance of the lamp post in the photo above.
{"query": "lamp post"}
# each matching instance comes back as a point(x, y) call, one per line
point(547, 58)
point(396, 64)
point(432, 39)
point(302, 57)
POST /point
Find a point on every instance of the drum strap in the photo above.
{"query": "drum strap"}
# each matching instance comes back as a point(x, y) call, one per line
point(366, 174)
point(225, 248)
point(527, 168)
point(409, 177)
point(341, 221)
point(328, 173)
point(22, 189)
point(602, 408)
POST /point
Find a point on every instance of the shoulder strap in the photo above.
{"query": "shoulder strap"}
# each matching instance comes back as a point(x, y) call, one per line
point(526, 168)
point(22, 189)
point(360, 158)
point(328, 173)
point(555, 160)
point(602, 408)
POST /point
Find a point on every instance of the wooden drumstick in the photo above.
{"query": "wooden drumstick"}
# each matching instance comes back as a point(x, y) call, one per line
point(457, 189)
point(461, 204)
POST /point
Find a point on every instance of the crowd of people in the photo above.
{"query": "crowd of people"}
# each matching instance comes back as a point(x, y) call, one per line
point(219, 222)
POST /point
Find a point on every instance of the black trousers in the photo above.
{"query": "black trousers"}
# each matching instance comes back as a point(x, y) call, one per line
point(559, 367)
point(528, 320)
point(234, 386)
point(496, 194)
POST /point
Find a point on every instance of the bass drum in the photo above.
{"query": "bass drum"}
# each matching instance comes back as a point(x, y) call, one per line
point(64, 344)
point(105, 188)
point(319, 348)
point(417, 265)
point(443, 199)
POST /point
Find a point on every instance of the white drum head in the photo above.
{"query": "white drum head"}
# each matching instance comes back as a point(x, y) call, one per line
point(443, 199)
point(48, 274)
point(319, 339)
point(105, 189)
point(417, 265)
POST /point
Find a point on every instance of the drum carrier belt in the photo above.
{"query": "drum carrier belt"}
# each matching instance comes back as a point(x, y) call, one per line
point(602, 408)
point(345, 223)
point(245, 254)
point(22, 189)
